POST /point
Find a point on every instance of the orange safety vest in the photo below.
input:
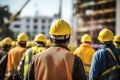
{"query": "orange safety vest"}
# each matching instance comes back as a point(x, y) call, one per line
point(14, 57)
point(54, 63)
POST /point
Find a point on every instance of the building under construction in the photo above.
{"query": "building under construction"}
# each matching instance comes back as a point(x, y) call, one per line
point(90, 16)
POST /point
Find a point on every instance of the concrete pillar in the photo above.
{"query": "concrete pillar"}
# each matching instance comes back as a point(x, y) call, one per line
point(117, 17)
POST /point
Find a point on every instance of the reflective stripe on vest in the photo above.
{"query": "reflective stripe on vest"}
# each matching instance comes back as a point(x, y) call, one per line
point(113, 67)
point(86, 65)
point(29, 55)
point(10, 72)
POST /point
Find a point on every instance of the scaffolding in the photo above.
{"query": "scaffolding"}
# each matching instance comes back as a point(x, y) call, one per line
point(94, 15)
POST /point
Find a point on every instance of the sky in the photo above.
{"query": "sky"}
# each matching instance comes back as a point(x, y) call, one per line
point(43, 7)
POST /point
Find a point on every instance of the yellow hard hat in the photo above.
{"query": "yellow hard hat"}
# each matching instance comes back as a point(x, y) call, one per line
point(0, 43)
point(105, 35)
point(60, 27)
point(116, 45)
point(22, 37)
point(116, 41)
point(86, 38)
point(40, 38)
point(14, 44)
point(29, 44)
point(116, 38)
point(48, 43)
point(33, 43)
point(7, 41)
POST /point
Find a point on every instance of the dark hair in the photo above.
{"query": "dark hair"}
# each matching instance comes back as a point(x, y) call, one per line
point(42, 43)
point(22, 43)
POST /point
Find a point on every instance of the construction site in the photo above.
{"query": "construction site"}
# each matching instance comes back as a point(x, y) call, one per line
point(90, 16)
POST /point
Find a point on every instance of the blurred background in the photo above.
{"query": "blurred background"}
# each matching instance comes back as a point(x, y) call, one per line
point(36, 16)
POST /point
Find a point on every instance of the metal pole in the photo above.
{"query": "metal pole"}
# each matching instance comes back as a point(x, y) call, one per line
point(60, 9)
point(17, 13)
point(92, 29)
point(117, 17)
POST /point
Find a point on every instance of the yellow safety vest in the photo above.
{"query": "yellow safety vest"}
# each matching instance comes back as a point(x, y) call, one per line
point(85, 52)
point(28, 56)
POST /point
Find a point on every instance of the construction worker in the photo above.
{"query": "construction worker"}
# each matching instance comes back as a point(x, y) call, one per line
point(57, 62)
point(116, 41)
point(6, 45)
point(103, 62)
point(14, 57)
point(40, 40)
point(85, 51)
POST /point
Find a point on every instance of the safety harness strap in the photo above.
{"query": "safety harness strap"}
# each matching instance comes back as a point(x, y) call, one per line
point(10, 72)
point(110, 69)
point(114, 67)
point(112, 54)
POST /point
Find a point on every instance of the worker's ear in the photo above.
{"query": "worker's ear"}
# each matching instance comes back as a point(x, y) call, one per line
point(68, 41)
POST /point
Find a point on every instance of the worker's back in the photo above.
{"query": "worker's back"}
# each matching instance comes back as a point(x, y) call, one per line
point(53, 61)
point(85, 52)
point(14, 57)
point(57, 62)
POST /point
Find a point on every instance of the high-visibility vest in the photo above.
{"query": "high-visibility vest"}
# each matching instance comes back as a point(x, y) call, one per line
point(28, 56)
point(14, 57)
point(85, 52)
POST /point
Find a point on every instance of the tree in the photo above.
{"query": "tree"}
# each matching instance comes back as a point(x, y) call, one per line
point(4, 27)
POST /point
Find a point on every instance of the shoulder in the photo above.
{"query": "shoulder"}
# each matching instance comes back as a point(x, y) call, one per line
point(77, 50)
point(34, 47)
point(27, 51)
point(12, 50)
point(99, 55)
point(52, 52)
point(100, 51)
point(41, 55)
point(41, 48)
point(18, 48)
